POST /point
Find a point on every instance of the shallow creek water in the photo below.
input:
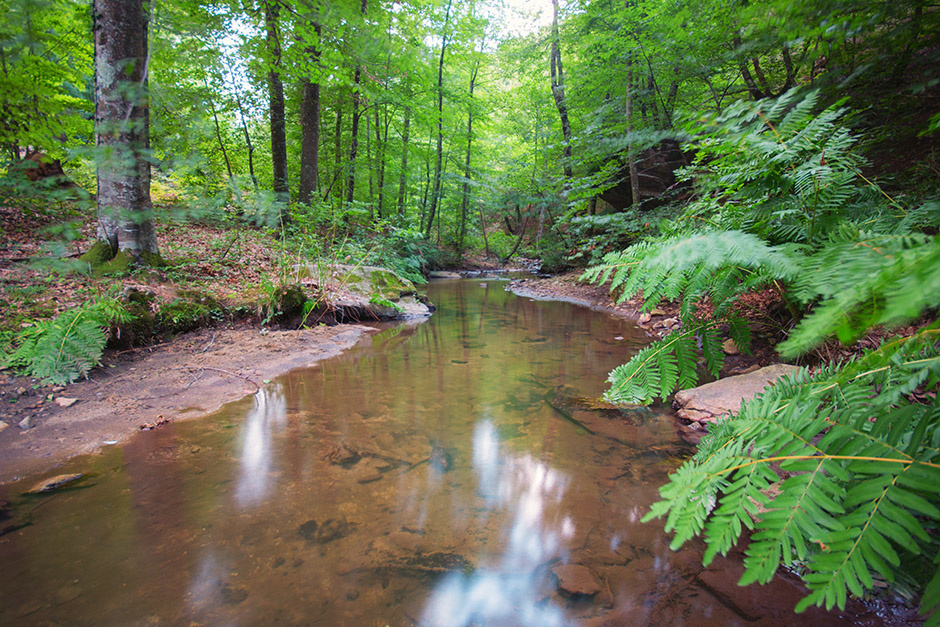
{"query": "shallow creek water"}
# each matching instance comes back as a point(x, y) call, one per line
point(441, 473)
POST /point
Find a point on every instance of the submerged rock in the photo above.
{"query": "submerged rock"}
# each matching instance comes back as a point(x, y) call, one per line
point(709, 402)
point(576, 580)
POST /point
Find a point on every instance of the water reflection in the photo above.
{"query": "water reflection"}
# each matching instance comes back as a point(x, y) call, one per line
point(512, 589)
point(438, 474)
point(261, 426)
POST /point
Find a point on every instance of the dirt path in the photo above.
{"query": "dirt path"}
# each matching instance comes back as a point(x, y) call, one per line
point(188, 377)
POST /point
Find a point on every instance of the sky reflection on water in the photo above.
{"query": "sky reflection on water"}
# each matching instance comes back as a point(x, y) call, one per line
point(510, 589)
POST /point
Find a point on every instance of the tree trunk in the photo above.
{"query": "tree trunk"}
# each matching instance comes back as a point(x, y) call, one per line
point(752, 89)
point(122, 127)
point(628, 113)
point(440, 123)
point(338, 146)
point(218, 128)
point(248, 144)
point(380, 143)
point(276, 93)
point(403, 175)
point(558, 89)
point(466, 167)
point(354, 140)
point(310, 128)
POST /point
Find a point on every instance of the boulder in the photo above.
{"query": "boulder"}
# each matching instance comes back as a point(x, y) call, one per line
point(365, 292)
point(709, 402)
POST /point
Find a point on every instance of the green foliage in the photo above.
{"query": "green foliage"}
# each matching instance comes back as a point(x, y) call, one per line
point(859, 443)
point(61, 350)
point(860, 476)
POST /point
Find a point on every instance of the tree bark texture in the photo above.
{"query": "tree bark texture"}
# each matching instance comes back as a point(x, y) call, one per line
point(122, 127)
point(558, 90)
point(276, 93)
point(310, 129)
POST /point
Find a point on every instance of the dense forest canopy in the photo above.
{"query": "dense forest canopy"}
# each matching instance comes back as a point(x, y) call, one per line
point(695, 152)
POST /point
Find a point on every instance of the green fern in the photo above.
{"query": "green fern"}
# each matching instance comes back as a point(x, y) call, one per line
point(864, 474)
point(61, 350)
point(858, 444)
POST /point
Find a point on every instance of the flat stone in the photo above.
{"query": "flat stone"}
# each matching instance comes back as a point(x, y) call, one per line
point(25, 423)
point(441, 274)
point(695, 415)
point(54, 483)
point(724, 396)
point(576, 580)
point(63, 401)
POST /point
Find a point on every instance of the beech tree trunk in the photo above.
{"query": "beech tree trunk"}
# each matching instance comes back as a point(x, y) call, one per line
point(558, 90)
point(310, 129)
point(122, 127)
point(276, 92)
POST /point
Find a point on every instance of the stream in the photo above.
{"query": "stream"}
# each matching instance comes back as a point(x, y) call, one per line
point(461, 470)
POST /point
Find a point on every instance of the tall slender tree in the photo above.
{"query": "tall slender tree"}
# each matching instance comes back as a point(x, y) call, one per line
point(354, 134)
point(440, 123)
point(310, 125)
point(276, 94)
point(558, 89)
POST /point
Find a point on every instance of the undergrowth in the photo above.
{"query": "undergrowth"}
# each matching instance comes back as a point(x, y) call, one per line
point(785, 206)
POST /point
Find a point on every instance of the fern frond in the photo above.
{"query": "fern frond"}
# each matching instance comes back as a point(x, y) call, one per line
point(882, 280)
point(864, 475)
point(714, 263)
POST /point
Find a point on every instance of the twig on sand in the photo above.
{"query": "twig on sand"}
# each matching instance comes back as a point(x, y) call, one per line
point(223, 371)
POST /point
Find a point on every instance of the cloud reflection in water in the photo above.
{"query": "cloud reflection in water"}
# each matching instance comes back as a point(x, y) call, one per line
point(268, 416)
point(509, 590)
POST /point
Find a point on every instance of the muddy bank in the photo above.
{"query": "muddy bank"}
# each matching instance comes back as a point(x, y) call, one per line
point(190, 376)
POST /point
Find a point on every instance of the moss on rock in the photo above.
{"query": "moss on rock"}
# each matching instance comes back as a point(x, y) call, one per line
point(190, 310)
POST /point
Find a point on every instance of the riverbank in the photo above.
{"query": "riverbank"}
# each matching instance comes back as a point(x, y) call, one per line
point(188, 377)
point(657, 323)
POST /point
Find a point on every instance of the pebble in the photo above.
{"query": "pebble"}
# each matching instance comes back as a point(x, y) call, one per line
point(3, 426)
point(63, 401)
point(25, 423)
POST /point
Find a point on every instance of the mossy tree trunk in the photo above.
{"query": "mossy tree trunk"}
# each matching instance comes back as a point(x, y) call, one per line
point(122, 126)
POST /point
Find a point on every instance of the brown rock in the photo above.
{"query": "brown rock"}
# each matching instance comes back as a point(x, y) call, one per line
point(695, 415)
point(3, 426)
point(729, 348)
point(63, 401)
point(575, 580)
point(724, 396)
